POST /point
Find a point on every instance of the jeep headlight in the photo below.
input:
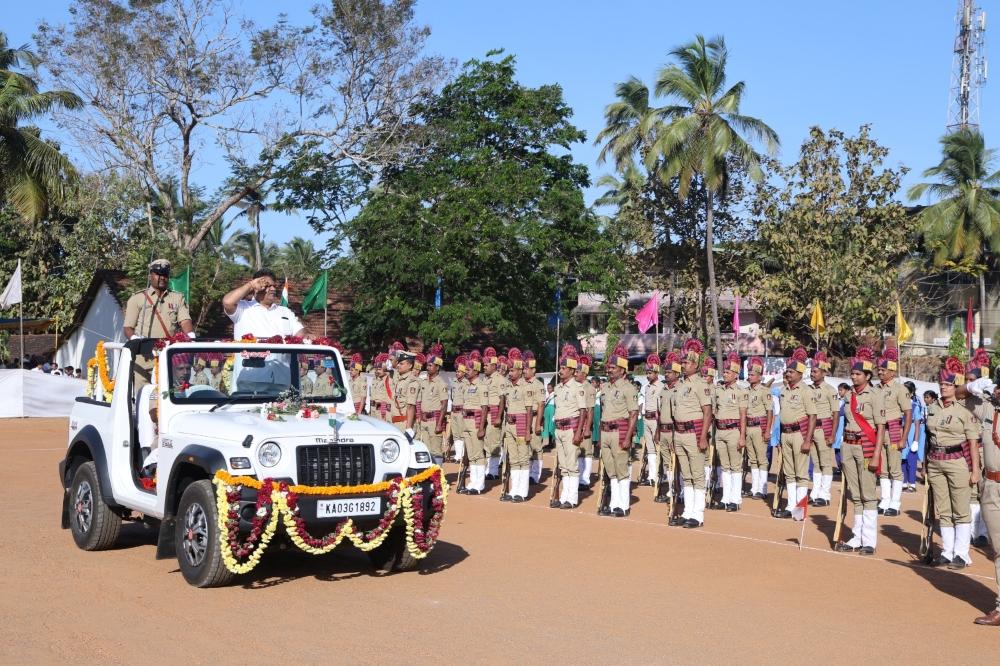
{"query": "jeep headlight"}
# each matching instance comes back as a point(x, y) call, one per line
point(269, 454)
point(389, 451)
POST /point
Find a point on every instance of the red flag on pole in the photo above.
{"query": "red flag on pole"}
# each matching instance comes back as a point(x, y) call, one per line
point(649, 315)
point(736, 322)
point(970, 324)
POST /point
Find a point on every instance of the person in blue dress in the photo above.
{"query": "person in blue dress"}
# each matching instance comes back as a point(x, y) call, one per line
point(914, 441)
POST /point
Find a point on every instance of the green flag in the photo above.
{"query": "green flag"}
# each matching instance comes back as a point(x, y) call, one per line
point(182, 283)
point(315, 298)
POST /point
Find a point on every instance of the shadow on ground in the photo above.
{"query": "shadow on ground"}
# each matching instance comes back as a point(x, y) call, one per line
point(954, 584)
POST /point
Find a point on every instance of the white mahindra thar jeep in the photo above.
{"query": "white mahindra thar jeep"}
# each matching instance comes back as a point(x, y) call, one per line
point(219, 422)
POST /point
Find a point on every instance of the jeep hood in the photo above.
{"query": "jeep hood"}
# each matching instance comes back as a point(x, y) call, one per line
point(236, 425)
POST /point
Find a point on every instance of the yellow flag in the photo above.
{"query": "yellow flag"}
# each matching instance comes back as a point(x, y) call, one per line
point(903, 331)
point(817, 322)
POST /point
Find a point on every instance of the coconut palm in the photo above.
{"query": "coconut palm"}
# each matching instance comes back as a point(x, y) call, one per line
point(702, 135)
point(627, 131)
point(300, 259)
point(33, 173)
point(966, 219)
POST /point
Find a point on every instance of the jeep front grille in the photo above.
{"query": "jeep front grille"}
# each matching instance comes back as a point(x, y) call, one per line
point(336, 464)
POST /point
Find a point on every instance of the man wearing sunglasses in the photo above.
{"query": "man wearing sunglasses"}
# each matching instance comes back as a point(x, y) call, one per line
point(255, 310)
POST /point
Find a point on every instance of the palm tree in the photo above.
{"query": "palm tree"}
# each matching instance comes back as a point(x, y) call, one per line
point(300, 259)
point(966, 218)
point(252, 205)
point(701, 137)
point(627, 130)
point(33, 173)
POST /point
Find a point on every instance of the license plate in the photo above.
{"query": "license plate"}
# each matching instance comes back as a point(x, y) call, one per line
point(339, 508)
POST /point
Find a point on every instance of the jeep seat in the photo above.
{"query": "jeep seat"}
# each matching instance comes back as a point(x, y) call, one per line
point(144, 424)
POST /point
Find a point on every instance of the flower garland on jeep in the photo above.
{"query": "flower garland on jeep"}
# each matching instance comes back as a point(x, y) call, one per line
point(281, 500)
point(100, 364)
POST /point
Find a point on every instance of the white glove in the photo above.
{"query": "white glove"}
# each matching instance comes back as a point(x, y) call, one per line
point(192, 335)
point(980, 387)
point(410, 433)
point(914, 447)
point(136, 337)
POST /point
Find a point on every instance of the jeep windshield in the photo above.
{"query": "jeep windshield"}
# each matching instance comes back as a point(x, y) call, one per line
point(255, 373)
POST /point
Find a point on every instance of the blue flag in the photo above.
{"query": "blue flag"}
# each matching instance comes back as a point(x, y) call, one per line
point(555, 317)
point(437, 295)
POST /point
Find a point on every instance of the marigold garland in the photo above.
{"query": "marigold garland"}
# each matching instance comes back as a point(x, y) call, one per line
point(282, 500)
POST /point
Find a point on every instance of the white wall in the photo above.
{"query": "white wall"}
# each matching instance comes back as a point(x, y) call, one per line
point(30, 393)
point(104, 321)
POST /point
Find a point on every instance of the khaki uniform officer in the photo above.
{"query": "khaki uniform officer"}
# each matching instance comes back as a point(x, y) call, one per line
point(691, 407)
point(711, 374)
point(990, 501)
point(381, 388)
point(359, 383)
point(518, 426)
point(323, 385)
point(155, 312)
point(458, 407)
point(797, 411)
point(760, 418)
point(977, 372)
point(494, 388)
point(827, 412)
point(619, 411)
point(730, 410)
point(665, 426)
point(433, 405)
point(407, 391)
point(952, 468)
point(860, 456)
point(898, 415)
point(586, 445)
point(651, 415)
point(475, 425)
point(535, 395)
point(570, 417)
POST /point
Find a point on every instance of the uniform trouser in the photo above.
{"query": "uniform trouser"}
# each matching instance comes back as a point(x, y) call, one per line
point(861, 483)
point(990, 502)
point(648, 440)
point(142, 372)
point(691, 459)
point(434, 440)
point(614, 458)
point(794, 463)
point(727, 444)
point(494, 435)
point(663, 447)
point(949, 481)
point(756, 447)
point(475, 448)
point(567, 452)
point(518, 451)
point(821, 452)
point(892, 460)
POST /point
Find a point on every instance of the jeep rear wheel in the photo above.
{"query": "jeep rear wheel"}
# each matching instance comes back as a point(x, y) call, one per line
point(197, 537)
point(93, 524)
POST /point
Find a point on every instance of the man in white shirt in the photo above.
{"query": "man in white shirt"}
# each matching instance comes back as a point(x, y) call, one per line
point(254, 309)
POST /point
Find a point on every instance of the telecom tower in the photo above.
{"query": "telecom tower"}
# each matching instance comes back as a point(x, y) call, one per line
point(969, 67)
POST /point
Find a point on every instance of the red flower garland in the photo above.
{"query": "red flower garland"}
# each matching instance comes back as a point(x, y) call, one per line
point(292, 499)
point(425, 539)
point(263, 511)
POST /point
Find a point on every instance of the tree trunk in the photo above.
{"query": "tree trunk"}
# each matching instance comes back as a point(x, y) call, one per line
point(671, 311)
point(982, 306)
point(713, 294)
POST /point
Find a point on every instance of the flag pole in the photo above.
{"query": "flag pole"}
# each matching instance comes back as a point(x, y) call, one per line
point(20, 322)
point(657, 320)
point(802, 534)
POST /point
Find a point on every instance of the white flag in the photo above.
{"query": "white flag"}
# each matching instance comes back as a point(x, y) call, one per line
point(12, 292)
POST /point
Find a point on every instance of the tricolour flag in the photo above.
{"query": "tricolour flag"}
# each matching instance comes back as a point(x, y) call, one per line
point(12, 292)
point(903, 330)
point(284, 293)
point(817, 322)
point(649, 314)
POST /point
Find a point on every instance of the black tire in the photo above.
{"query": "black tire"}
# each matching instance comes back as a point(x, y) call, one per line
point(392, 555)
point(93, 524)
point(196, 537)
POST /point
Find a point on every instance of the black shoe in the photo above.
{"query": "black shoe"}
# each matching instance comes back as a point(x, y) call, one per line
point(881, 512)
point(716, 505)
point(730, 508)
point(821, 501)
point(958, 563)
point(842, 547)
point(692, 523)
point(891, 513)
point(676, 521)
point(661, 499)
point(760, 496)
point(604, 511)
point(941, 561)
point(506, 498)
point(463, 491)
point(866, 550)
point(746, 493)
point(567, 505)
point(492, 477)
point(534, 482)
point(618, 513)
point(472, 491)
point(584, 486)
point(981, 541)
point(783, 513)
point(812, 502)
point(555, 504)
point(517, 499)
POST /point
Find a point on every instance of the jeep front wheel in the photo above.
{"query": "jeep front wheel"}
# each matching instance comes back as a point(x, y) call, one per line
point(197, 537)
point(93, 524)
point(393, 554)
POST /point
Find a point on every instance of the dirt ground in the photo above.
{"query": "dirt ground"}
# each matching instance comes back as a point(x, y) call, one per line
point(507, 583)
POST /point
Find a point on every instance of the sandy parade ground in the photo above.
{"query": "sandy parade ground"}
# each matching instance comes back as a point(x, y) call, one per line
point(507, 583)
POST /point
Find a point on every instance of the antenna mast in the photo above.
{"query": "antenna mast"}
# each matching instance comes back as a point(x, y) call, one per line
point(969, 66)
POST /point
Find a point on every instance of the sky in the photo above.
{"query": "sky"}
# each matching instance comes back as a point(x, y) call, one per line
point(828, 64)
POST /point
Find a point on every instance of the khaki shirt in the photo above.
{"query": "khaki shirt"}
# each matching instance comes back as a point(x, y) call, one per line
point(664, 401)
point(201, 377)
point(796, 403)
point(359, 389)
point(474, 393)
point(991, 453)
point(458, 393)
point(379, 393)
point(570, 398)
point(895, 400)
point(690, 395)
point(651, 396)
point(515, 398)
point(869, 406)
point(827, 401)
point(305, 385)
point(589, 394)
point(323, 385)
point(432, 393)
point(729, 400)
point(759, 401)
point(983, 412)
point(951, 425)
point(619, 399)
point(408, 387)
point(494, 388)
point(171, 308)
point(534, 393)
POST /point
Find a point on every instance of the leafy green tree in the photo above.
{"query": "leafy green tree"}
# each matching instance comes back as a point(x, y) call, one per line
point(33, 173)
point(704, 136)
point(491, 209)
point(830, 229)
point(964, 223)
point(299, 259)
point(958, 346)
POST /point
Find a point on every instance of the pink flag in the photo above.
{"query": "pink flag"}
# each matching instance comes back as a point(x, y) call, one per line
point(649, 315)
point(736, 319)
point(801, 508)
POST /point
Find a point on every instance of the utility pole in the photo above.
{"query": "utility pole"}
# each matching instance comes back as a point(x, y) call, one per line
point(969, 66)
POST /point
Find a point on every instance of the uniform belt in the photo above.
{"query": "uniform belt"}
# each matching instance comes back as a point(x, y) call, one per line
point(649, 415)
point(991, 475)
point(457, 409)
point(610, 426)
point(946, 450)
point(566, 424)
point(757, 421)
point(790, 427)
point(727, 424)
point(430, 415)
point(853, 437)
point(380, 405)
point(666, 427)
point(685, 426)
point(512, 418)
point(473, 413)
